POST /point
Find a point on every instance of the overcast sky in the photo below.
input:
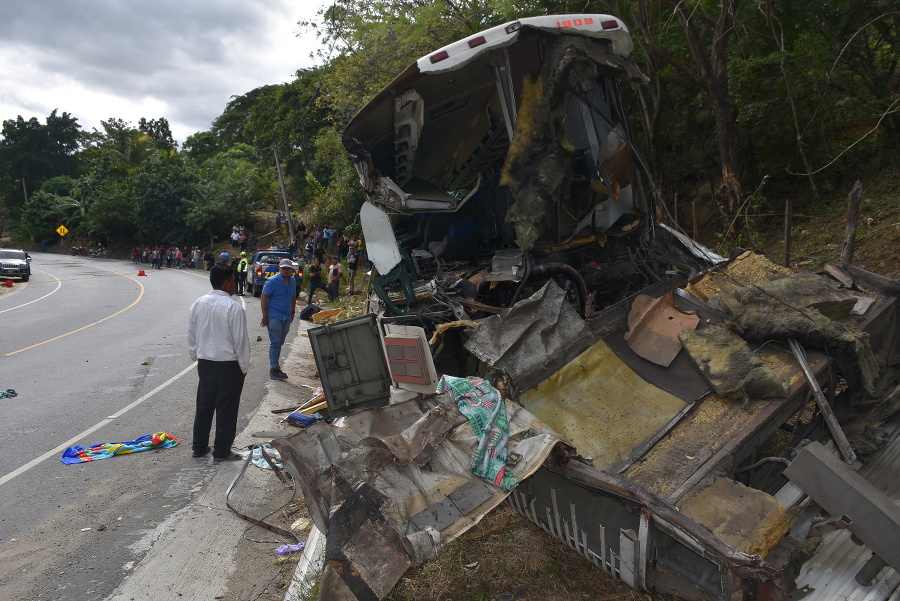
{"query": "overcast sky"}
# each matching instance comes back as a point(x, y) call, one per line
point(178, 59)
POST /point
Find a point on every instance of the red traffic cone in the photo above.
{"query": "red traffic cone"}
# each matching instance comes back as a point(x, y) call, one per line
point(8, 284)
point(141, 272)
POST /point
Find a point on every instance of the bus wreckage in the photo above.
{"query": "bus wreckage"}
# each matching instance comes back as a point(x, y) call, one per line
point(707, 427)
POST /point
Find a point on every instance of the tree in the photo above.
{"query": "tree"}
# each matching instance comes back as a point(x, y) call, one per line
point(158, 129)
point(338, 199)
point(366, 44)
point(32, 152)
point(231, 185)
point(201, 146)
point(160, 190)
point(707, 28)
point(229, 126)
point(40, 216)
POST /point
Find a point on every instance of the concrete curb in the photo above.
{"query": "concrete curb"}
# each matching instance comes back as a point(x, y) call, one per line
point(205, 537)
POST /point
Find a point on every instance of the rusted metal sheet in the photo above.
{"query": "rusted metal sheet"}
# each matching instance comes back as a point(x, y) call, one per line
point(653, 328)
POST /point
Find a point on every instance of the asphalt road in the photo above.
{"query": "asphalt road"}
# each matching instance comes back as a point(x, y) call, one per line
point(97, 354)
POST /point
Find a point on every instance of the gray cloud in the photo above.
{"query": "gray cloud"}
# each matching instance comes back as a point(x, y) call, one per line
point(182, 59)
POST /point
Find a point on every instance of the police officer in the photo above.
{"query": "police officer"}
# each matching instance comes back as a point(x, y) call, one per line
point(240, 272)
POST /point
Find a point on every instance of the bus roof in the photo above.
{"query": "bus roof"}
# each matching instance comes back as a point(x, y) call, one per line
point(590, 25)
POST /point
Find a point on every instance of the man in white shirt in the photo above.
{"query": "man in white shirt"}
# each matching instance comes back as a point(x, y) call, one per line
point(219, 342)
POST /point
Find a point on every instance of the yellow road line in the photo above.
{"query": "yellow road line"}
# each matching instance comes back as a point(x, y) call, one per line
point(136, 301)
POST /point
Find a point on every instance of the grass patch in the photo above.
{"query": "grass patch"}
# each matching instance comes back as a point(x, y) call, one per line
point(506, 557)
point(818, 230)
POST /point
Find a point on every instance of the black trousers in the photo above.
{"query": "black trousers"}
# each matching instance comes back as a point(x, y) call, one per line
point(219, 394)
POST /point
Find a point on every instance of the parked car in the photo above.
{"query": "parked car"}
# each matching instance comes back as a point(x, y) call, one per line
point(265, 264)
point(15, 263)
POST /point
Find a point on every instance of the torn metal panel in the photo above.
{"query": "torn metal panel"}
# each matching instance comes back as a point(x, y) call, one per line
point(507, 265)
point(653, 328)
point(829, 574)
point(351, 363)
point(591, 517)
point(689, 250)
point(453, 507)
point(381, 246)
point(388, 483)
point(533, 338)
point(871, 516)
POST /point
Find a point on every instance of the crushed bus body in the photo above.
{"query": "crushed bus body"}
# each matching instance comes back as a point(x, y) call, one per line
point(688, 423)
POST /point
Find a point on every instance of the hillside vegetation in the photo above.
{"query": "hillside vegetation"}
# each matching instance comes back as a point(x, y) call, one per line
point(745, 104)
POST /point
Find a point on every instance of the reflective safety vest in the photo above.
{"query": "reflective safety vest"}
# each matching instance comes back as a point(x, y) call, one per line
point(242, 265)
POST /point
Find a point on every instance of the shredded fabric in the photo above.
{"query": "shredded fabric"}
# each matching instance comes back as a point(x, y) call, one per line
point(257, 459)
point(483, 406)
point(80, 454)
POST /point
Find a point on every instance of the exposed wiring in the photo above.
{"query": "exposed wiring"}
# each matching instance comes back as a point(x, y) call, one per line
point(763, 461)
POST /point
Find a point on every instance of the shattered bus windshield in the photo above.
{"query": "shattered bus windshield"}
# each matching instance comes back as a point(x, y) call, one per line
point(511, 161)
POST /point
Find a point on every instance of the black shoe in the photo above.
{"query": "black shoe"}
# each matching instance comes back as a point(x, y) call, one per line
point(229, 457)
point(276, 374)
point(201, 453)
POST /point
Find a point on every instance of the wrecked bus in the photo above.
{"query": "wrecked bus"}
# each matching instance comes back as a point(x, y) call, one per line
point(707, 427)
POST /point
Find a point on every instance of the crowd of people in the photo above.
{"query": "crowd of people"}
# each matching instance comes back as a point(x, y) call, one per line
point(177, 257)
point(328, 254)
point(173, 257)
point(325, 252)
point(242, 240)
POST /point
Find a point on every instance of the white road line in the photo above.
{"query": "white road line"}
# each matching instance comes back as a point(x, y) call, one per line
point(81, 436)
point(58, 286)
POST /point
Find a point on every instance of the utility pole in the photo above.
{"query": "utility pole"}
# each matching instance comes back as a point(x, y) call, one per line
point(287, 207)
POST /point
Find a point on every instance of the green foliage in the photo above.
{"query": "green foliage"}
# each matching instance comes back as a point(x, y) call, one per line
point(338, 199)
point(231, 185)
point(158, 129)
point(40, 217)
point(368, 43)
point(32, 152)
point(811, 83)
point(160, 190)
point(201, 146)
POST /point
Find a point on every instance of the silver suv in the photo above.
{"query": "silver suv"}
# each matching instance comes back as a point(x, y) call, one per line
point(15, 263)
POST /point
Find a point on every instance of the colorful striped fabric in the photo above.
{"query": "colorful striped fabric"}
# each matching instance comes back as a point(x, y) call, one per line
point(80, 454)
point(485, 409)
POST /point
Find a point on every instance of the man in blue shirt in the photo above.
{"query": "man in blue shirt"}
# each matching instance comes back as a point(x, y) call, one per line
point(278, 302)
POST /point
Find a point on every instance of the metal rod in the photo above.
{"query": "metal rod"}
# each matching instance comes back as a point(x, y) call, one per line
point(287, 207)
point(833, 426)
